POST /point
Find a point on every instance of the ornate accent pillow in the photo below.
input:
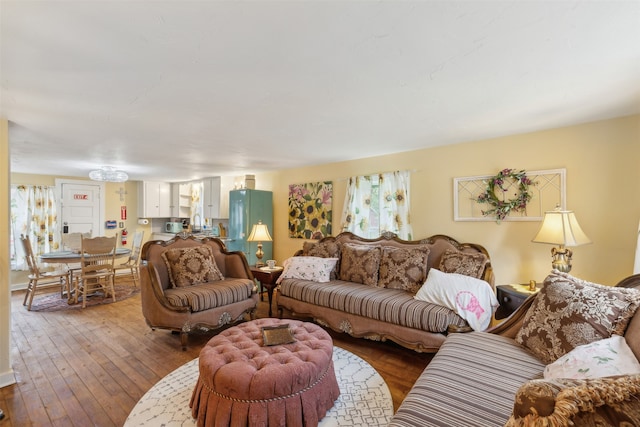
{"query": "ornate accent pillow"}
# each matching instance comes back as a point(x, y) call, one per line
point(190, 266)
point(473, 299)
point(360, 263)
point(329, 249)
point(604, 358)
point(469, 264)
point(610, 401)
point(312, 268)
point(402, 268)
point(568, 312)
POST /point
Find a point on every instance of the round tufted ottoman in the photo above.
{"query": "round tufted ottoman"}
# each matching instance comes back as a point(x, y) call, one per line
point(242, 382)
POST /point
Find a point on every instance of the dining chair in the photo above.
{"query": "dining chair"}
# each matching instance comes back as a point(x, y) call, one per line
point(132, 265)
point(96, 268)
point(42, 279)
point(39, 279)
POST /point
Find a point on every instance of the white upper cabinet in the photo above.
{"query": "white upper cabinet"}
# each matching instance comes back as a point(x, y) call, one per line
point(215, 197)
point(181, 199)
point(154, 199)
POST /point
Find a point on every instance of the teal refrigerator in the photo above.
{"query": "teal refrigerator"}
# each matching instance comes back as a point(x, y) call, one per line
point(246, 208)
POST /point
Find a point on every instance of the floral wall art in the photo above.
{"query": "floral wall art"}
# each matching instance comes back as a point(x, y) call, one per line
point(310, 210)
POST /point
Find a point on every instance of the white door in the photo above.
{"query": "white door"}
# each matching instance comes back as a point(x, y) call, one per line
point(81, 206)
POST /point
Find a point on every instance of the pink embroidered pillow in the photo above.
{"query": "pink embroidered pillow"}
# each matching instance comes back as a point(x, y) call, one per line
point(473, 299)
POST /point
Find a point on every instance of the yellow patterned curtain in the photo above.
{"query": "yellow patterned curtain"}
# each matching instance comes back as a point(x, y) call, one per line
point(34, 214)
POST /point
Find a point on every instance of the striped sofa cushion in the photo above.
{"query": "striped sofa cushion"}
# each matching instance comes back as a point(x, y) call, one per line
point(471, 382)
point(204, 296)
point(387, 305)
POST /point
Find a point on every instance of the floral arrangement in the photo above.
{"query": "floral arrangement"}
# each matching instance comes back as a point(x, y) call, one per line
point(500, 207)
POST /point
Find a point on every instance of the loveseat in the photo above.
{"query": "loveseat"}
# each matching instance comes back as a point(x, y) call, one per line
point(369, 287)
point(188, 284)
point(558, 360)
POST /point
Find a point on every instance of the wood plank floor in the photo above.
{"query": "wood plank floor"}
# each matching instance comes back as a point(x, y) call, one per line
point(90, 367)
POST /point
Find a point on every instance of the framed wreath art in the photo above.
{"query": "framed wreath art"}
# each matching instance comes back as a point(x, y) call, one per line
point(495, 193)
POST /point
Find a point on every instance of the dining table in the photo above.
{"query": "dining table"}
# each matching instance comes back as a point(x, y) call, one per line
point(73, 257)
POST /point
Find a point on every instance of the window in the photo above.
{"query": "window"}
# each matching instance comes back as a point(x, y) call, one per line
point(378, 203)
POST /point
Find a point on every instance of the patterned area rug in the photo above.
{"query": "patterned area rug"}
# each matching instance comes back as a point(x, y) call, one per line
point(53, 302)
point(365, 399)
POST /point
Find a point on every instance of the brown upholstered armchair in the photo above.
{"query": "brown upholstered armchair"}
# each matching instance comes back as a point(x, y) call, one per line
point(188, 284)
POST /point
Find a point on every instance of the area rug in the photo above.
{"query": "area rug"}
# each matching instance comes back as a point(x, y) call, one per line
point(365, 399)
point(53, 302)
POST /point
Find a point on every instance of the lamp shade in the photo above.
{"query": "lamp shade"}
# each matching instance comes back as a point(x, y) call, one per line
point(259, 233)
point(561, 228)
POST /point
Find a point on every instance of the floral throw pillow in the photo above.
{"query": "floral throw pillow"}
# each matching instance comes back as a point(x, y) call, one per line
point(360, 263)
point(328, 249)
point(312, 268)
point(568, 312)
point(190, 266)
point(603, 358)
point(402, 268)
point(469, 264)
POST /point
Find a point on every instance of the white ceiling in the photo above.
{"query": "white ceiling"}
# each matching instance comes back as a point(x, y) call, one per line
point(179, 90)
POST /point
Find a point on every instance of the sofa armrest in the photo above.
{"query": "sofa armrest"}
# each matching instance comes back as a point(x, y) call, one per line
point(512, 324)
point(149, 280)
point(236, 266)
point(598, 401)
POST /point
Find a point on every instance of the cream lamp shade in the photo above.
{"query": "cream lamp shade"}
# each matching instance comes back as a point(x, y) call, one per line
point(561, 228)
point(259, 233)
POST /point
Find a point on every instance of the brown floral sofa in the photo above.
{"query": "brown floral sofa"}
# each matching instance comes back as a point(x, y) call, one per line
point(188, 284)
point(371, 288)
point(553, 362)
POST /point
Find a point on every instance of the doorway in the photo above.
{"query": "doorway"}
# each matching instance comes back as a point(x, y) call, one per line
point(81, 206)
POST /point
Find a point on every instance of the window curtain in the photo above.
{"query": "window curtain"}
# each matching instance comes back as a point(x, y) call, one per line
point(357, 205)
point(34, 214)
point(394, 204)
point(391, 203)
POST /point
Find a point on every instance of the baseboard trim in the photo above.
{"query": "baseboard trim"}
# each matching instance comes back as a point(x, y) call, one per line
point(7, 378)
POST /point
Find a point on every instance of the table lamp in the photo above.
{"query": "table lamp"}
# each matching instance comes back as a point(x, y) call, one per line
point(259, 233)
point(561, 228)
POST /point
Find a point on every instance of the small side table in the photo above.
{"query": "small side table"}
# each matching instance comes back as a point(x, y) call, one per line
point(267, 278)
point(511, 297)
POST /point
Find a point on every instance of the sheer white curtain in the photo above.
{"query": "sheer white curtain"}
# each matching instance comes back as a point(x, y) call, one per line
point(378, 203)
point(34, 214)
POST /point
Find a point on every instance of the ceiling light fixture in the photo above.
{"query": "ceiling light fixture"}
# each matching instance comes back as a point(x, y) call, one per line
point(108, 174)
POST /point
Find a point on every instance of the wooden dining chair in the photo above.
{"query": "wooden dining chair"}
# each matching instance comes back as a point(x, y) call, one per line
point(131, 267)
point(96, 268)
point(39, 279)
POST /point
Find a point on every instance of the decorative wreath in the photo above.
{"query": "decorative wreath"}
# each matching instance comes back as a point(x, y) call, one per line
point(499, 207)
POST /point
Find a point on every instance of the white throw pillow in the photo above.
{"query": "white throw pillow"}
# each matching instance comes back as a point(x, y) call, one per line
point(473, 299)
point(308, 268)
point(602, 358)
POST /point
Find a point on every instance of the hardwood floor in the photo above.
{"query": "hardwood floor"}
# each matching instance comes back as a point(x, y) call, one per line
point(90, 367)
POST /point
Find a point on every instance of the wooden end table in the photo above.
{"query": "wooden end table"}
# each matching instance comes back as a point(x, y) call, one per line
point(267, 278)
point(511, 297)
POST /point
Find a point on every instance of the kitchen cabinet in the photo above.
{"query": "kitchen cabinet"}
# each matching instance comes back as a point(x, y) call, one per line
point(154, 199)
point(181, 200)
point(215, 197)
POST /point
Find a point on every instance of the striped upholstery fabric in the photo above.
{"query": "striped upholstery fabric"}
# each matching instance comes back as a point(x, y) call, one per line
point(210, 295)
point(388, 305)
point(471, 381)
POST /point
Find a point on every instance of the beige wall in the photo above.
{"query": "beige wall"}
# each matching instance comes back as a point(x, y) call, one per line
point(6, 371)
point(603, 173)
point(603, 188)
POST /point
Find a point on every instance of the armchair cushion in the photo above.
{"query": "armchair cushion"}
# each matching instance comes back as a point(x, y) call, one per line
point(585, 402)
point(190, 266)
point(210, 295)
point(568, 312)
point(402, 268)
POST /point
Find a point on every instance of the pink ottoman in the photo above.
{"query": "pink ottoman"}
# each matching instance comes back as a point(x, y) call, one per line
point(242, 382)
